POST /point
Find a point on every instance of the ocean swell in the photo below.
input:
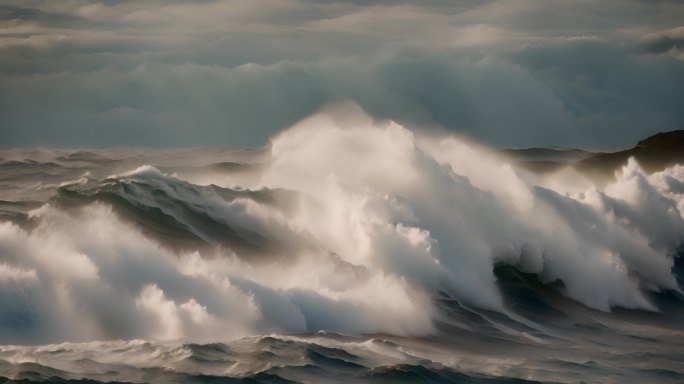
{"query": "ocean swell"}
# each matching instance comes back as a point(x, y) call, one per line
point(342, 225)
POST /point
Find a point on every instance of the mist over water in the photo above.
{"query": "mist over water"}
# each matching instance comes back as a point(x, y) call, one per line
point(375, 251)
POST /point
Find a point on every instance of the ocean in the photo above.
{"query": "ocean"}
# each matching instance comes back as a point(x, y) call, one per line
point(370, 255)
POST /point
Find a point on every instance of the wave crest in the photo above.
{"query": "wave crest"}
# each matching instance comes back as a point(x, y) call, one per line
point(352, 226)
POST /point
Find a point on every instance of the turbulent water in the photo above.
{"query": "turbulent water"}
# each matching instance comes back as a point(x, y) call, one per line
point(345, 250)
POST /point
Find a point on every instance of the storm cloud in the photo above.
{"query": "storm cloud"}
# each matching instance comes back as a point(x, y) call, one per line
point(233, 73)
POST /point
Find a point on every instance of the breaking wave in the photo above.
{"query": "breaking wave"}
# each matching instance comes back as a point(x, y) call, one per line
point(340, 225)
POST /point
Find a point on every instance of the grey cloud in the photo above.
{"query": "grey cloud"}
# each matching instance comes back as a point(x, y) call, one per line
point(231, 73)
point(664, 41)
point(157, 105)
point(9, 13)
point(609, 90)
point(598, 96)
point(663, 44)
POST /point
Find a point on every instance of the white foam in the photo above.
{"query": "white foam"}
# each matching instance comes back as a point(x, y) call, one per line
point(384, 219)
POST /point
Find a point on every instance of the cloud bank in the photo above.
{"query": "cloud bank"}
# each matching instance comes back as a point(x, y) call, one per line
point(197, 73)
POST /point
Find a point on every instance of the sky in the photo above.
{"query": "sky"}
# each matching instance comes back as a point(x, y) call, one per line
point(180, 73)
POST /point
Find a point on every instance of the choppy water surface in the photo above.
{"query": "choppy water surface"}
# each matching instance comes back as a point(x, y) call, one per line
point(364, 254)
